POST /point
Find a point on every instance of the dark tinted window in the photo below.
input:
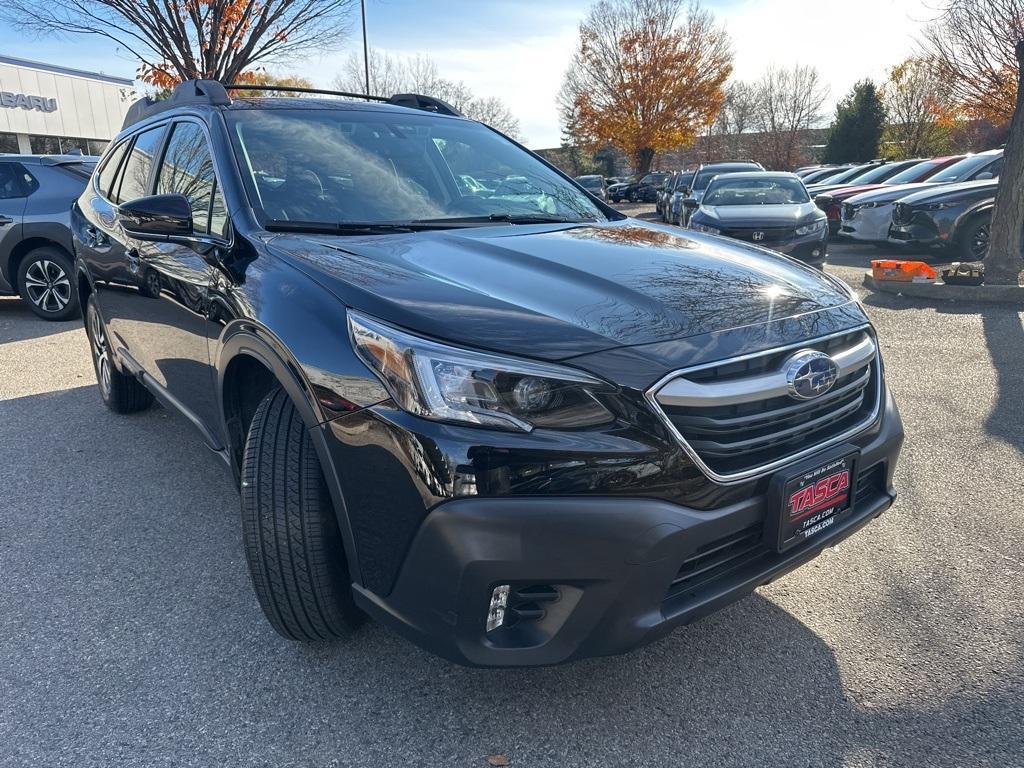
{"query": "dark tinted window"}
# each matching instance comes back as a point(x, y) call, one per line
point(108, 169)
point(705, 175)
point(995, 168)
point(135, 177)
point(14, 181)
point(187, 169)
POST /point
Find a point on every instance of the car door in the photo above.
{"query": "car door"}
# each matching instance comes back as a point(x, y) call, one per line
point(14, 188)
point(112, 256)
point(172, 303)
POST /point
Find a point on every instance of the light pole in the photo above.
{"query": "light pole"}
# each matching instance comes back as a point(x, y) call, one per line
point(366, 48)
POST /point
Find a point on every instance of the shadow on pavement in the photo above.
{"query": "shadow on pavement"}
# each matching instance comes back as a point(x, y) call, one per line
point(129, 634)
point(18, 323)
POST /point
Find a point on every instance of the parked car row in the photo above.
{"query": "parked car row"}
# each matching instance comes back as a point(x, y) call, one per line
point(921, 202)
point(936, 202)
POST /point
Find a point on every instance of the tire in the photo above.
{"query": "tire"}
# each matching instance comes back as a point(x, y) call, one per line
point(121, 393)
point(45, 283)
point(972, 243)
point(292, 543)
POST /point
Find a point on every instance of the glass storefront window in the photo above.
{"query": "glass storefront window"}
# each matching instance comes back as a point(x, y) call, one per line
point(44, 145)
point(9, 144)
point(59, 145)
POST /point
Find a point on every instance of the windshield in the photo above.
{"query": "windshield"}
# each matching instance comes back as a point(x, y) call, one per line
point(847, 175)
point(590, 182)
point(908, 175)
point(879, 174)
point(338, 167)
point(654, 178)
point(966, 167)
point(778, 191)
point(703, 177)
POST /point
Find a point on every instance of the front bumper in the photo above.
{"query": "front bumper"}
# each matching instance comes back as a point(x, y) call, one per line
point(868, 224)
point(614, 564)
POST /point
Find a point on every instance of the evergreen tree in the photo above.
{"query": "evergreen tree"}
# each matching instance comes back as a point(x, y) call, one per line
point(857, 129)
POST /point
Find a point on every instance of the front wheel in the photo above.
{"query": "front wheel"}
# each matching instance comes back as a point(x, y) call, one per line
point(973, 242)
point(292, 543)
point(44, 282)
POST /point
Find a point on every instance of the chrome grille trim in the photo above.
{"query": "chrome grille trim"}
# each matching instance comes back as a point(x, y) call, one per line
point(854, 358)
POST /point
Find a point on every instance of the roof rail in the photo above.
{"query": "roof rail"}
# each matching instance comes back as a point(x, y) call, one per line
point(215, 93)
point(189, 92)
point(296, 89)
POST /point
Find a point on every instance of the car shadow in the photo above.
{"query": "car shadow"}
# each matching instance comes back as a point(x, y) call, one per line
point(18, 323)
point(1003, 330)
point(126, 608)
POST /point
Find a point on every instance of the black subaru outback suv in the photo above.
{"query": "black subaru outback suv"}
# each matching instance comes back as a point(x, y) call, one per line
point(505, 420)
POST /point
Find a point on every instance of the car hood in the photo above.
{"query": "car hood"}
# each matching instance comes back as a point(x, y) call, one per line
point(966, 190)
point(554, 292)
point(760, 215)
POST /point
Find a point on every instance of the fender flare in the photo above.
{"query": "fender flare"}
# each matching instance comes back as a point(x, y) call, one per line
point(246, 338)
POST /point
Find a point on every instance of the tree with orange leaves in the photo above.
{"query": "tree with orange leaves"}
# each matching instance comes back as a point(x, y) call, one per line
point(177, 40)
point(921, 109)
point(644, 80)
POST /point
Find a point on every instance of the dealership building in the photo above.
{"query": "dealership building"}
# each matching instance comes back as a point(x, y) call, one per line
point(46, 109)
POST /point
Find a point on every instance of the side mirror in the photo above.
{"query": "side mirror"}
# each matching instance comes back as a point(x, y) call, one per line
point(691, 203)
point(158, 217)
point(984, 175)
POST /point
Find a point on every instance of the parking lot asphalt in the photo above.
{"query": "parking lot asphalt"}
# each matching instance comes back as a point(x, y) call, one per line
point(129, 634)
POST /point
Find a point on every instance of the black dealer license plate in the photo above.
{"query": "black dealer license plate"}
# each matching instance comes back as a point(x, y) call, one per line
point(814, 499)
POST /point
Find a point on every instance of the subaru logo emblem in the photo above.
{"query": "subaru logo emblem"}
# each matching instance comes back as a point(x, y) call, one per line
point(810, 374)
point(758, 237)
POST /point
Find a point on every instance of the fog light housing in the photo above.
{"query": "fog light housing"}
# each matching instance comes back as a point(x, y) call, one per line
point(496, 611)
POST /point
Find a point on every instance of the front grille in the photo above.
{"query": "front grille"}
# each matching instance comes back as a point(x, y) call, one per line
point(745, 551)
point(737, 420)
point(902, 214)
point(770, 235)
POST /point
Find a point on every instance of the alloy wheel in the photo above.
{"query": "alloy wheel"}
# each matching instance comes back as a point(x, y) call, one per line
point(47, 285)
point(100, 350)
point(979, 243)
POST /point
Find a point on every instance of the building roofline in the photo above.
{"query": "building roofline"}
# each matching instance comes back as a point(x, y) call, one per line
point(28, 63)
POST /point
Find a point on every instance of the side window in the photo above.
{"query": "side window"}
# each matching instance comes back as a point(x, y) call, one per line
point(110, 165)
point(995, 168)
point(135, 178)
point(187, 169)
point(218, 214)
point(14, 181)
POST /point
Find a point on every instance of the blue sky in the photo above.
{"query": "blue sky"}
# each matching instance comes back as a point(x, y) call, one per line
point(519, 49)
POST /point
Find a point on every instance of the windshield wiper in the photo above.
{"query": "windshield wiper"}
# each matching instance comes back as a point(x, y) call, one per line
point(507, 218)
point(356, 227)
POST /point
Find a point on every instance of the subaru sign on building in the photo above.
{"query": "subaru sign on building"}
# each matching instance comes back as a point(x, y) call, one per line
point(46, 109)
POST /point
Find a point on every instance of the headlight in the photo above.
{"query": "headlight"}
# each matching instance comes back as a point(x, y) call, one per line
point(445, 383)
point(936, 206)
point(810, 229)
point(704, 228)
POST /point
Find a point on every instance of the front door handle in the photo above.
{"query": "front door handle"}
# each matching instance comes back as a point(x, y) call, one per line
point(5, 220)
point(96, 238)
